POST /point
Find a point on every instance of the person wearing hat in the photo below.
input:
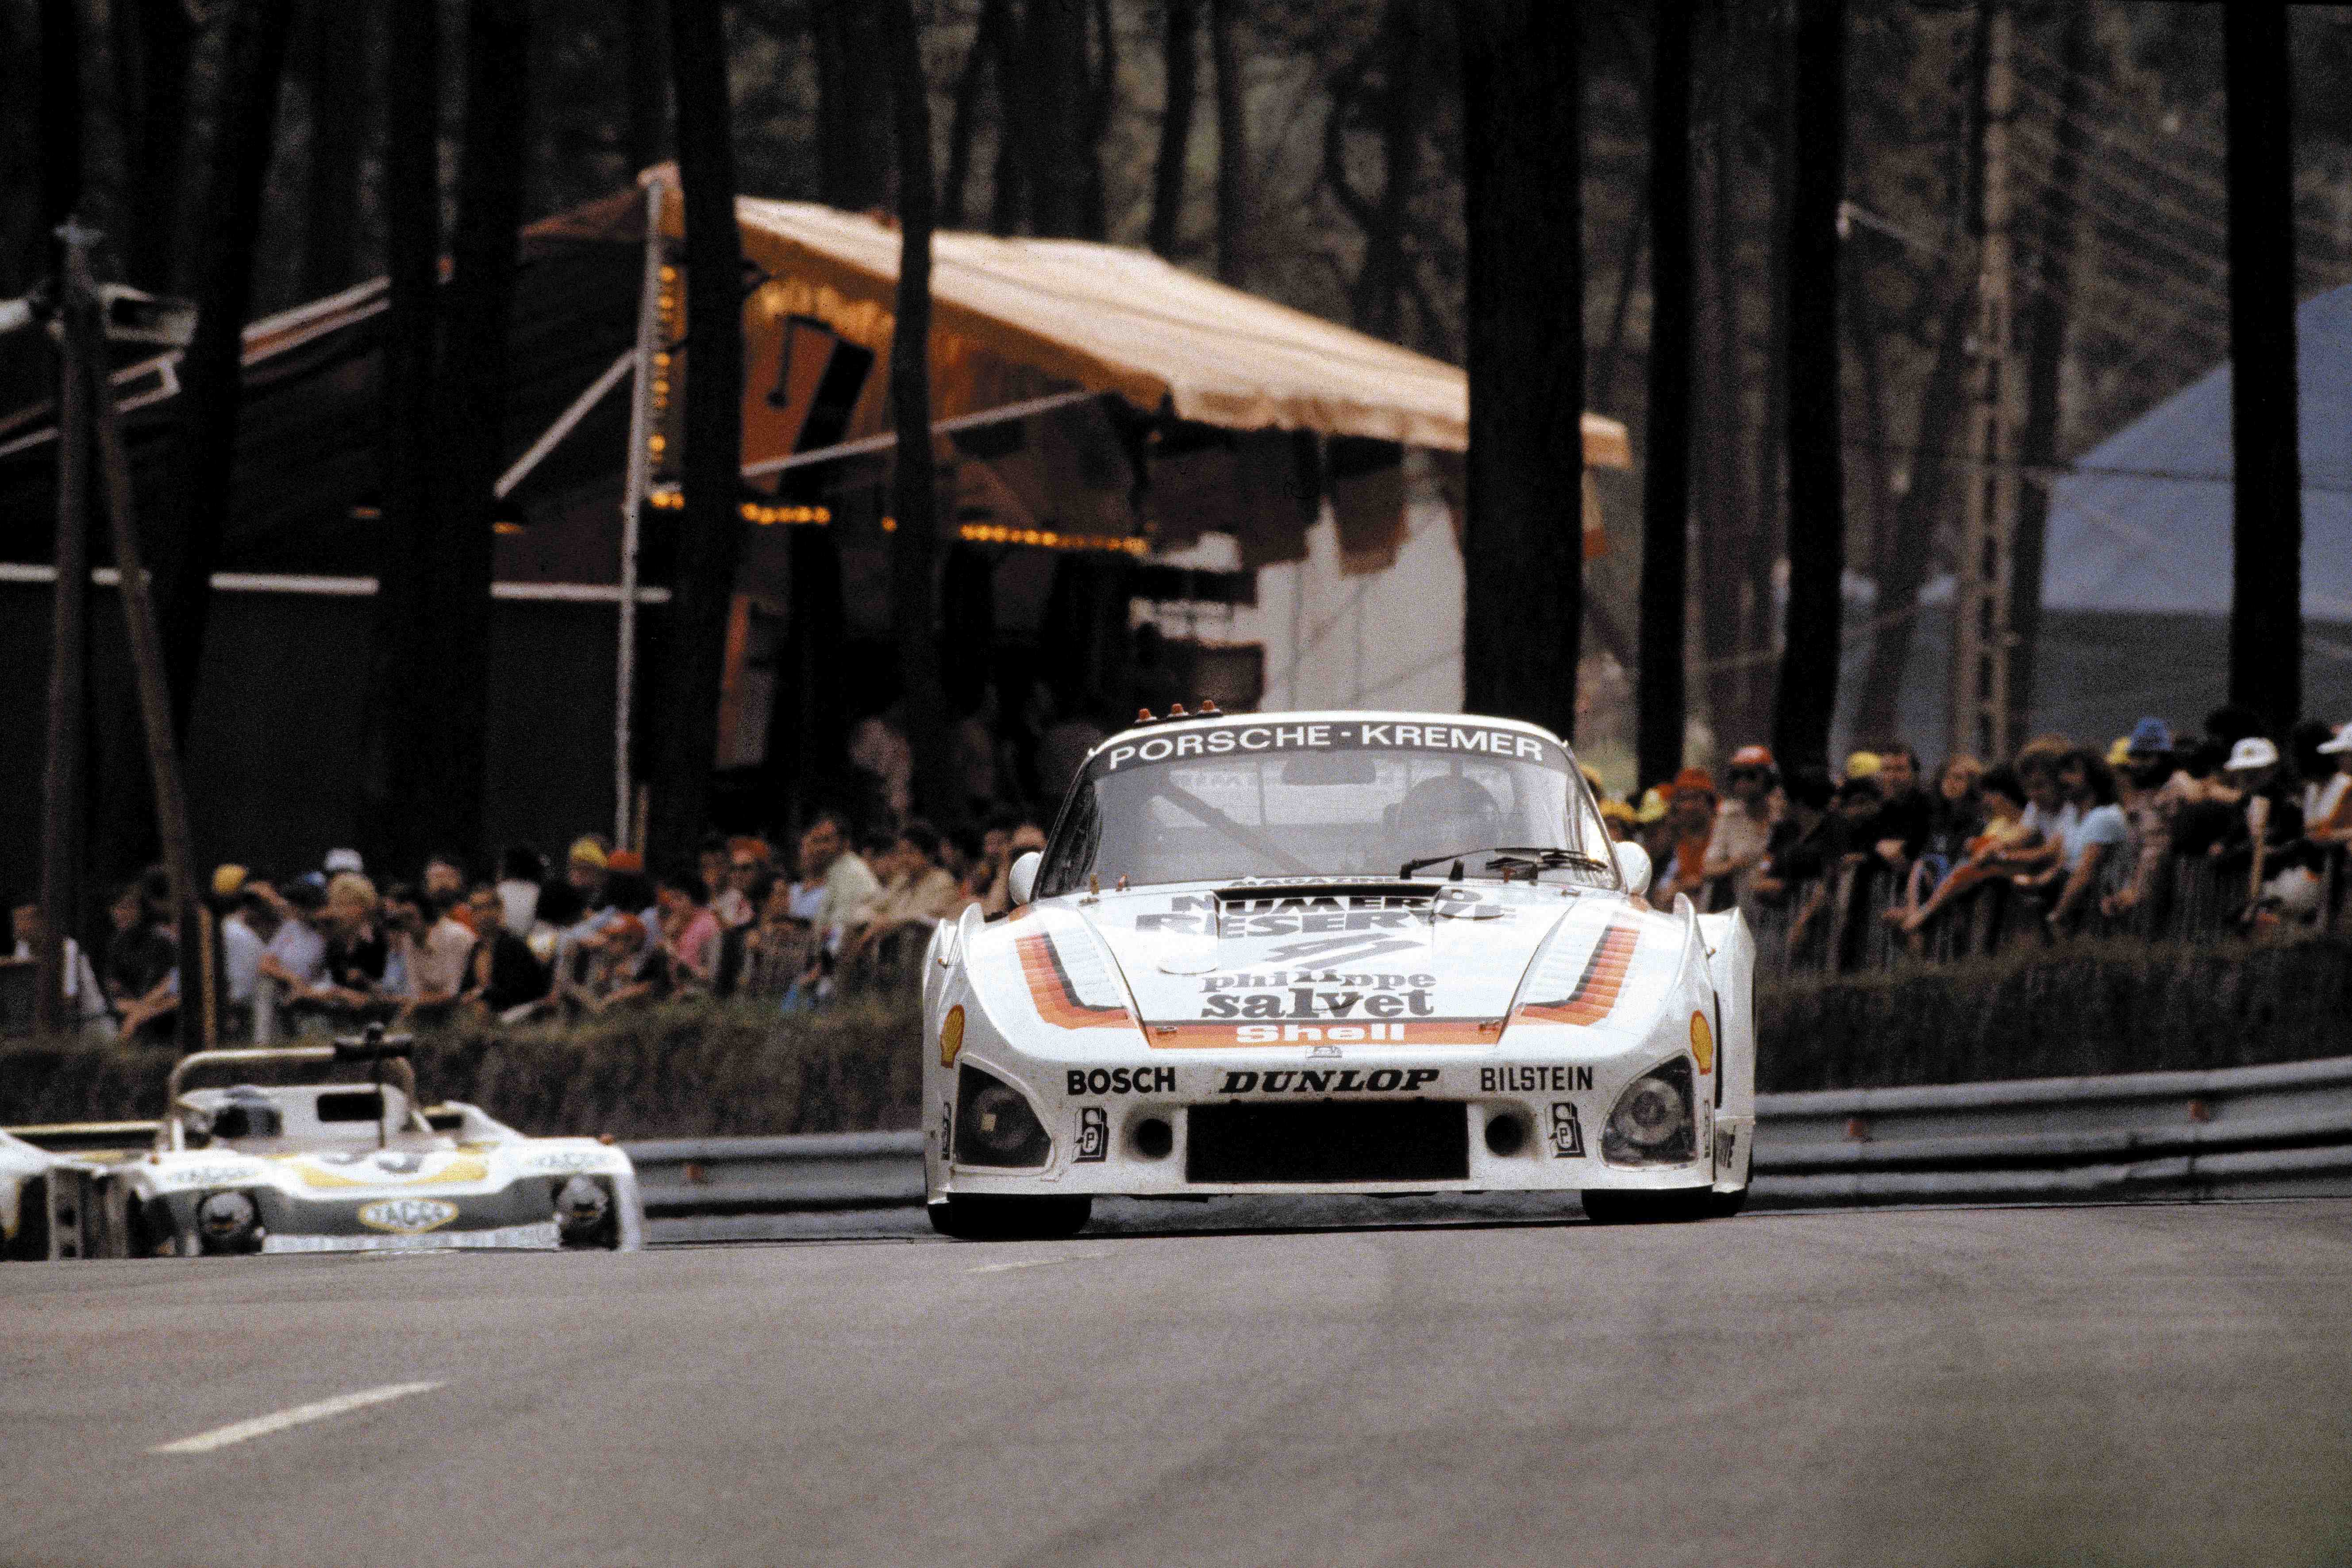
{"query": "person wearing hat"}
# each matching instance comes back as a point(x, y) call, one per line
point(1690, 820)
point(1743, 823)
point(2269, 818)
point(1619, 818)
point(2329, 820)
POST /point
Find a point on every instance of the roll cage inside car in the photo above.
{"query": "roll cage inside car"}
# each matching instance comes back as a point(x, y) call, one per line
point(388, 1057)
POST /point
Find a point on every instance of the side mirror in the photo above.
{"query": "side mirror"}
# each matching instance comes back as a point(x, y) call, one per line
point(1632, 865)
point(1022, 880)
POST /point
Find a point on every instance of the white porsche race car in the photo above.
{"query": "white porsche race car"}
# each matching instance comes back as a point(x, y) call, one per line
point(1334, 952)
point(333, 1167)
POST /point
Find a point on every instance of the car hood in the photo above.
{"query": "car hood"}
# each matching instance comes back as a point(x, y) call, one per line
point(1424, 964)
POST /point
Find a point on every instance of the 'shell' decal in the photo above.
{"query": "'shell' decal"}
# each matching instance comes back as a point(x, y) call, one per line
point(1595, 996)
point(1050, 988)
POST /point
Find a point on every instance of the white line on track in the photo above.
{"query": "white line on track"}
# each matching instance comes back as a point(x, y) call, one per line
point(262, 1425)
point(1034, 1263)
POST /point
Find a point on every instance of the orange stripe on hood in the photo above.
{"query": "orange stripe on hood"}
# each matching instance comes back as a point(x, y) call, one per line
point(1049, 987)
point(1595, 996)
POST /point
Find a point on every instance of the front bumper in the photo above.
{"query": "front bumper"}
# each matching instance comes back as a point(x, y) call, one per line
point(1258, 1122)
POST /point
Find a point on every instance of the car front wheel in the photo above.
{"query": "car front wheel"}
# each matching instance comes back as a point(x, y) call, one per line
point(1010, 1219)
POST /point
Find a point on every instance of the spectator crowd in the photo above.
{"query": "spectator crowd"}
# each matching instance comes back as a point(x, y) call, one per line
point(2151, 832)
point(2061, 839)
point(324, 948)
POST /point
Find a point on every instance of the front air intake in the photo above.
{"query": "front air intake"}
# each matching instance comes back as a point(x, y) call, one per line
point(1330, 1141)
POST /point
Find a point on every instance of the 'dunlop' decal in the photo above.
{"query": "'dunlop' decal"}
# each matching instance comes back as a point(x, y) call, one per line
point(1595, 995)
point(1057, 993)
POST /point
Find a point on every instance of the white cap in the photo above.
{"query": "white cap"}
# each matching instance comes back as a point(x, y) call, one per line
point(2343, 742)
point(340, 860)
point(2253, 752)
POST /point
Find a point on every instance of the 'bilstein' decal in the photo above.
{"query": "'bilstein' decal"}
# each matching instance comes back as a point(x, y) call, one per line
point(1056, 995)
point(1595, 995)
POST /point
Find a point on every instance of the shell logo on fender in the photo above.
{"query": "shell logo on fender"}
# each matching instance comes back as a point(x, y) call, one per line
point(1702, 1042)
point(952, 1036)
point(407, 1216)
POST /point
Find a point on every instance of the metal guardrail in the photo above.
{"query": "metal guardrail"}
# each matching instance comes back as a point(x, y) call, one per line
point(2236, 1132)
point(2263, 1131)
point(681, 1176)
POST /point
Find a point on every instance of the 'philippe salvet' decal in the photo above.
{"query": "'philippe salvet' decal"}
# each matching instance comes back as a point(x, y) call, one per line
point(1094, 1135)
point(1533, 1079)
point(1120, 1080)
point(1305, 994)
point(1335, 1080)
point(1567, 1133)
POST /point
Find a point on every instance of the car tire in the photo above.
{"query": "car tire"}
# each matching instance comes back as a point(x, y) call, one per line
point(1723, 1206)
point(1011, 1219)
point(1608, 1205)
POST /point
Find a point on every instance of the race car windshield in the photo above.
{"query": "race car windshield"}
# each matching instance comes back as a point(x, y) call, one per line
point(1218, 804)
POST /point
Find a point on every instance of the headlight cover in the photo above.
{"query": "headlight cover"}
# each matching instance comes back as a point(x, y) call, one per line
point(994, 1125)
point(1652, 1124)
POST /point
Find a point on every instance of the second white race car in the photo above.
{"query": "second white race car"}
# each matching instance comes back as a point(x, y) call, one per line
point(1334, 952)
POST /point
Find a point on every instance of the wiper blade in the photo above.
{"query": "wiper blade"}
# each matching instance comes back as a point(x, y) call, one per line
point(1515, 856)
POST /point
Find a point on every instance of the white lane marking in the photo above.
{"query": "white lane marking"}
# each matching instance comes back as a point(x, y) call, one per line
point(1035, 1263)
point(262, 1425)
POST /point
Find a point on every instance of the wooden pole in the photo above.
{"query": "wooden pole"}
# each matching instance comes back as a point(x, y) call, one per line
point(85, 345)
point(61, 848)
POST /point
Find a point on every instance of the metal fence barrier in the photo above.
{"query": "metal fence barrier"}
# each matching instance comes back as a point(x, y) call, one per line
point(2264, 1132)
point(1843, 924)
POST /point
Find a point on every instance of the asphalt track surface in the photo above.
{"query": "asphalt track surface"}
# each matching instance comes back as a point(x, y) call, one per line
point(2144, 1385)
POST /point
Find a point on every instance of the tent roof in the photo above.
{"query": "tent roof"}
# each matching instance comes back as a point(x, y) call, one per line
point(1110, 319)
point(2142, 523)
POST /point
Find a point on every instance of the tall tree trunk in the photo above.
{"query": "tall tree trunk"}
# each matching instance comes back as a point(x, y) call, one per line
point(2047, 354)
point(471, 379)
point(1523, 564)
point(2267, 530)
point(1662, 708)
point(710, 538)
point(1001, 29)
point(1767, 509)
point(1233, 144)
point(337, 51)
point(853, 126)
point(914, 546)
point(1058, 108)
point(649, 82)
point(183, 557)
point(60, 119)
point(1378, 302)
point(1183, 56)
point(160, 36)
point(1807, 700)
point(400, 714)
point(1725, 519)
point(1910, 552)
point(963, 129)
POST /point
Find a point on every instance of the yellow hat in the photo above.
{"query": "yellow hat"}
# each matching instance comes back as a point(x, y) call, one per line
point(588, 852)
point(1654, 805)
point(227, 882)
point(1861, 765)
point(1616, 811)
point(2120, 753)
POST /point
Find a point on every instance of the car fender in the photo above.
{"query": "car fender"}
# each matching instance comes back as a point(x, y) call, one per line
point(1732, 961)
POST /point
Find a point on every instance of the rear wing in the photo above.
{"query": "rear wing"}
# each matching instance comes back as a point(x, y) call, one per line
point(86, 1137)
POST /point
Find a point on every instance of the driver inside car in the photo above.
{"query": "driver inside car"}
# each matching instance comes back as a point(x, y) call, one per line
point(1449, 815)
